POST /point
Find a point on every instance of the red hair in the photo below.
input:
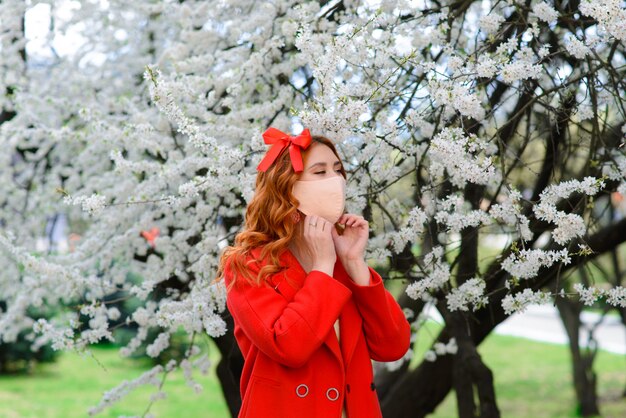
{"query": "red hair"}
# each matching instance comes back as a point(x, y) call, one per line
point(269, 221)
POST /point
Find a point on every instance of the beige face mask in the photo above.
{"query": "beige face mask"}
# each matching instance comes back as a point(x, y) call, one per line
point(325, 198)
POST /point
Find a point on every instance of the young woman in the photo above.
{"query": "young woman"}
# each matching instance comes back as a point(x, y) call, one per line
point(309, 313)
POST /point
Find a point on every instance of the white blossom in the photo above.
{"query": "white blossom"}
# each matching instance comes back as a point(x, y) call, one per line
point(609, 13)
point(617, 296)
point(545, 12)
point(161, 342)
point(440, 349)
point(587, 295)
point(458, 97)
point(526, 263)
point(465, 158)
point(517, 303)
point(93, 204)
point(410, 232)
point(150, 377)
point(576, 48)
point(436, 274)
point(491, 22)
point(472, 292)
point(568, 225)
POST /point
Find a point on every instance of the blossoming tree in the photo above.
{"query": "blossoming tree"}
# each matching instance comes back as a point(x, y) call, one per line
point(457, 120)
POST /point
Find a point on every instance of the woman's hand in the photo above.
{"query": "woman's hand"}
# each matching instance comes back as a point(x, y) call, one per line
point(317, 235)
point(350, 247)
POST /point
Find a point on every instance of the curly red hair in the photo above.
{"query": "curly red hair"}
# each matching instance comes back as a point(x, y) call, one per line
point(269, 221)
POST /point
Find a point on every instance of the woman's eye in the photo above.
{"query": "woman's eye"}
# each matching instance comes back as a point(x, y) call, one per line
point(320, 172)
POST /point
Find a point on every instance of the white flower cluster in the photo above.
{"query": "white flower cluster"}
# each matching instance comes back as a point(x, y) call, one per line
point(545, 12)
point(98, 324)
point(520, 69)
point(576, 47)
point(62, 338)
point(518, 302)
point(486, 66)
point(454, 213)
point(198, 312)
point(411, 231)
point(93, 204)
point(615, 169)
point(491, 23)
point(124, 166)
point(110, 397)
point(472, 292)
point(456, 96)
point(145, 318)
point(615, 296)
point(568, 225)
point(436, 274)
point(203, 363)
point(508, 211)
point(465, 158)
point(160, 343)
point(39, 281)
point(609, 13)
point(525, 264)
point(440, 349)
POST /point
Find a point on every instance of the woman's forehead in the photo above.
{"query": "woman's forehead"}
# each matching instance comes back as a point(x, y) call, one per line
point(319, 153)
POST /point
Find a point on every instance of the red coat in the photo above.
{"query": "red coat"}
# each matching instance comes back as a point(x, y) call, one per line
point(294, 364)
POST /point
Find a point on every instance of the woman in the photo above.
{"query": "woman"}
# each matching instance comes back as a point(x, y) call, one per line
point(309, 313)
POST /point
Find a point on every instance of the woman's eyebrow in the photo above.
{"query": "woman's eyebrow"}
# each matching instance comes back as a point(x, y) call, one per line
point(323, 164)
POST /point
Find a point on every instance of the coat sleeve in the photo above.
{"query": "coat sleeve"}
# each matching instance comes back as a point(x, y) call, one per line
point(287, 332)
point(387, 331)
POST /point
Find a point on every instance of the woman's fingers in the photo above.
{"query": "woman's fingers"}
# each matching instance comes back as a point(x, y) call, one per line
point(349, 219)
point(318, 237)
point(315, 223)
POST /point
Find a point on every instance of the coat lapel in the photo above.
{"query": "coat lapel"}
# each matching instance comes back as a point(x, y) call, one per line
point(333, 345)
point(350, 321)
point(350, 324)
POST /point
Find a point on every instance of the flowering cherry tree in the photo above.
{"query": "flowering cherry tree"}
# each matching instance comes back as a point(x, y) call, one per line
point(456, 120)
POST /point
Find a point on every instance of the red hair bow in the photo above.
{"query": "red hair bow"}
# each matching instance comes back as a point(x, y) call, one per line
point(279, 140)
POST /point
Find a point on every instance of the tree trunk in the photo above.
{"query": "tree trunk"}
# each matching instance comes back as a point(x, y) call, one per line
point(385, 379)
point(582, 363)
point(417, 393)
point(230, 366)
point(472, 379)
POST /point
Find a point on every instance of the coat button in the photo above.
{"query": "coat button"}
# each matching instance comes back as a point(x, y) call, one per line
point(302, 390)
point(332, 394)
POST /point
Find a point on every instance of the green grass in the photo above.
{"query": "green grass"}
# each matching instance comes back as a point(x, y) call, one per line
point(532, 380)
point(69, 387)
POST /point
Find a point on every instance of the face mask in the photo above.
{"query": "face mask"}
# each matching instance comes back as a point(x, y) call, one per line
point(325, 198)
